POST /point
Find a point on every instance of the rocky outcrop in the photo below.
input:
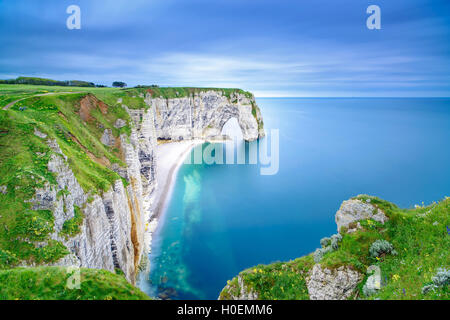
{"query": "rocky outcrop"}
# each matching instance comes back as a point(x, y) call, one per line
point(203, 115)
point(354, 210)
point(113, 233)
point(241, 292)
point(373, 282)
point(327, 284)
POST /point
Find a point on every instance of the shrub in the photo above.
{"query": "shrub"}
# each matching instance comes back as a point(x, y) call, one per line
point(319, 253)
point(327, 247)
point(440, 280)
point(324, 242)
point(335, 239)
point(381, 247)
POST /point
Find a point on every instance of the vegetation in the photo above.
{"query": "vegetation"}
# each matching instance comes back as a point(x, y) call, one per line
point(420, 236)
point(328, 245)
point(119, 84)
point(381, 248)
point(48, 82)
point(180, 92)
point(255, 111)
point(72, 226)
point(51, 283)
point(277, 281)
point(24, 157)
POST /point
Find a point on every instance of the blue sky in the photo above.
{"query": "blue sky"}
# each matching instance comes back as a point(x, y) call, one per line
point(272, 48)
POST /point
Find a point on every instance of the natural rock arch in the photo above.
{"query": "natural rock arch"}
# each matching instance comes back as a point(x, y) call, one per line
point(232, 129)
point(203, 116)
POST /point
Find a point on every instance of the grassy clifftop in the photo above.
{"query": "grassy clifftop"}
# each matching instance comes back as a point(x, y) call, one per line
point(420, 236)
point(58, 283)
point(130, 96)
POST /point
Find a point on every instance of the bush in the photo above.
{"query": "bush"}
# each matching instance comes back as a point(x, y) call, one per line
point(381, 247)
point(335, 239)
point(442, 277)
point(440, 280)
point(324, 242)
point(319, 253)
point(327, 247)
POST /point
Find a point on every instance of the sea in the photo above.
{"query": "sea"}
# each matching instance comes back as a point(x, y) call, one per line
point(225, 218)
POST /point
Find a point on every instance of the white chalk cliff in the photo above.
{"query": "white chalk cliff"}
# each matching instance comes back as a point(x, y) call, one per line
point(113, 233)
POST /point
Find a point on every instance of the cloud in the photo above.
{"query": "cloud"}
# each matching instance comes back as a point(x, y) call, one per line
point(288, 49)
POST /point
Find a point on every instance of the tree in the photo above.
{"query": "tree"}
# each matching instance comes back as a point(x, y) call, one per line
point(119, 84)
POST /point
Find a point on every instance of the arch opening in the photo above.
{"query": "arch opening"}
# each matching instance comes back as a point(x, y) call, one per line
point(232, 129)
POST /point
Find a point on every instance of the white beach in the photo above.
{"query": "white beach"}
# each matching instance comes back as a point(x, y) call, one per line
point(170, 156)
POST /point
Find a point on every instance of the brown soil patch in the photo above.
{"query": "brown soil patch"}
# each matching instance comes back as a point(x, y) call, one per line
point(89, 103)
point(118, 145)
point(135, 215)
point(62, 115)
point(103, 160)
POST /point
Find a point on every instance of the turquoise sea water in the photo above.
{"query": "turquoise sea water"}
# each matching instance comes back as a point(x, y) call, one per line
point(225, 218)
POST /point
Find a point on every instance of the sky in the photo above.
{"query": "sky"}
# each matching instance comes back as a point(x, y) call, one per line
point(274, 48)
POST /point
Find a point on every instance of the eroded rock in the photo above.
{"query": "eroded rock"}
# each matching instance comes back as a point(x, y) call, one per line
point(243, 292)
point(327, 284)
point(120, 123)
point(354, 210)
point(108, 138)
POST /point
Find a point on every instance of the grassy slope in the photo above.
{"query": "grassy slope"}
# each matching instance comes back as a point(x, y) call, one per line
point(50, 283)
point(419, 235)
point(9, 93)
point(24, 233)
point(23, 168)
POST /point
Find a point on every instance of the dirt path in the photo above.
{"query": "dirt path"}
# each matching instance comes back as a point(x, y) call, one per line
point(9, 105)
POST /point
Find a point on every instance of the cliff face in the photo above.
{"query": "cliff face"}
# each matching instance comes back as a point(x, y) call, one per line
point(112, 232)
point(204, 114)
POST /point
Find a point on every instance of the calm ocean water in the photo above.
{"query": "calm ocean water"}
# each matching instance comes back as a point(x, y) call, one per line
point(225, 218)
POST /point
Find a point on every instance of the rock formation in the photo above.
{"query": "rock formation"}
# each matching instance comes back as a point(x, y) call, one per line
point(327, 284)
point(354, 210)
point(203, 115)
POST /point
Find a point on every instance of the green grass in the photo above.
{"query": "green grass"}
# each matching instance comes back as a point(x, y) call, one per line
point(50, 283)
point(130, 96)
point(419, 236)
point(72, 226)
point(12, 92)
point(180, 92)
point(277, 281)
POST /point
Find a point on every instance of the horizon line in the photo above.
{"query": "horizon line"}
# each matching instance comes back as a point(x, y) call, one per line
point(353, 97)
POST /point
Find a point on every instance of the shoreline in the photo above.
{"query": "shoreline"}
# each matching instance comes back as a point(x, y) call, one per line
point(169, 156)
